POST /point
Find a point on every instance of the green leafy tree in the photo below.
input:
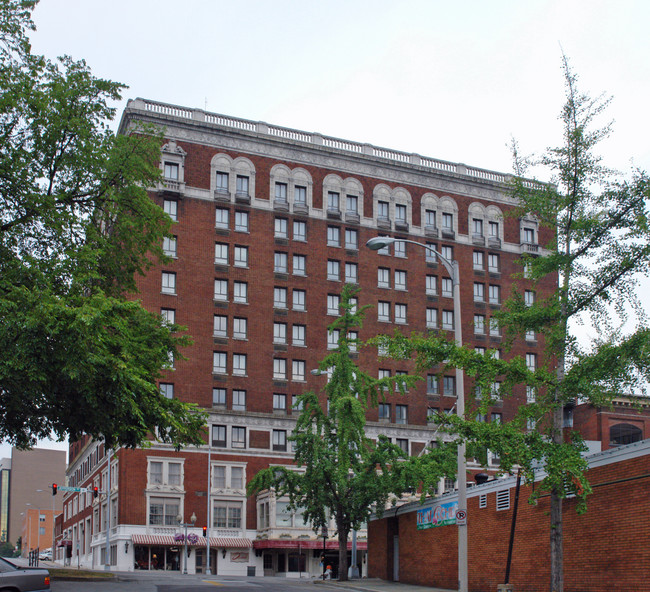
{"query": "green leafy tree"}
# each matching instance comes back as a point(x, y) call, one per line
point(76, 228)
point(340, 473)
point(600, 249)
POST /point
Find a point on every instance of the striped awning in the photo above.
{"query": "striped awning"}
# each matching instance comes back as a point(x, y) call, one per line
point(304, 544)
point(166, 540)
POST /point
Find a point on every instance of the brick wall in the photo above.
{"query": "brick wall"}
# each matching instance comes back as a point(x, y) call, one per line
point(605, 549)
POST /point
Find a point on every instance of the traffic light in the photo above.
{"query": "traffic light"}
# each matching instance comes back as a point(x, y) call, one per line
point(54, 488)
point(95, 491)
point(205, 531)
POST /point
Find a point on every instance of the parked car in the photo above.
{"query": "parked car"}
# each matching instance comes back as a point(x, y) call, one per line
point(23, 579)
point(45, 555)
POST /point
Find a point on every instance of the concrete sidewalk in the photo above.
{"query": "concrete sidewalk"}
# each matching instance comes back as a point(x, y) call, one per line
point(376, 585)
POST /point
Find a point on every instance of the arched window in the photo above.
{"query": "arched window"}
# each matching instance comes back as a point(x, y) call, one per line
point(624, 433)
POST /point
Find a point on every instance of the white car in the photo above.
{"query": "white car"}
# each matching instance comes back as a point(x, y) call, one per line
point(45, 555)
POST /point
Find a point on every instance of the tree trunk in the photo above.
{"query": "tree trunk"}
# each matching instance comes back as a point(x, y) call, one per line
point(343, 554)
point(557, 566)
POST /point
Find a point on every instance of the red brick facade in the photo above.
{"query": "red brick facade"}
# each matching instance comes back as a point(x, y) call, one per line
point(605, 549)
point(207, 150)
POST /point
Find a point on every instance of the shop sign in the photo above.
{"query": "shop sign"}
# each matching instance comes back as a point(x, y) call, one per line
point(437, 516)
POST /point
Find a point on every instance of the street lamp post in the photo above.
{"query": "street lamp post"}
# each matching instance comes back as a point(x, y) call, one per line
point(185, 525)
point(376, 244)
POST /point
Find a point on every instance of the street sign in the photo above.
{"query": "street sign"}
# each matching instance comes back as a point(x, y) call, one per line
point(77, 489)
point(461, 517)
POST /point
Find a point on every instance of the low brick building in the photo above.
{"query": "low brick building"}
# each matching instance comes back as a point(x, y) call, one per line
point(605, 549)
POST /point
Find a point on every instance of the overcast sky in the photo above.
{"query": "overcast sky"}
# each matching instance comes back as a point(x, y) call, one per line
point(450, 80)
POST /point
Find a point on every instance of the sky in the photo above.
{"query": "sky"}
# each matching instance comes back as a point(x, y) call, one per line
point(455, 81)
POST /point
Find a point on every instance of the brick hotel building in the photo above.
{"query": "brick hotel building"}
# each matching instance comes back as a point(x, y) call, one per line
point(270, 223)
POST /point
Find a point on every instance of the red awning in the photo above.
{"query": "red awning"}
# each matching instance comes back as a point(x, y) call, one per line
point(168, 541)
point(308, 544)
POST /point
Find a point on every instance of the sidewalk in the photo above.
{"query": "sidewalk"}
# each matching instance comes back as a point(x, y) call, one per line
point(376, 585)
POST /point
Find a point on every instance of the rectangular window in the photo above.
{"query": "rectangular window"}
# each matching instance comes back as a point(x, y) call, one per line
point(333, 236)
point(219, 436)
point(531, 362)
point(432, 285)
point(239, 400)
point(333, 270)
point(281, 228)
point(400, 213)
point(448, 319)
point(221, 253)
point(279, 440)
point(241, 256)
point(403, 443)
point(449, 386)
point(493, 263)
point(299, 265)
point(222, 182)
point(447, 221)
point(221, 290)
point(239, 362)
point(219, 360)
point(495, 331)
point(529, 235)
point(400, 280)
point(530, 335)
point(333, 302)
point(352, 204)
point(280, 297)
point(170, 207)
point(382, 210)
point(333, 201)
point(430, 253)
point(240, 328)
point(298, 335)
point(430, 218)
point(479, 324)
point(167, 390)
point(477, 227)
point(531, 395)
point(477, 260)
point(219, 477)
point(400, 249)
point(279, 333)
point(383, 277)
point(219, 397)
point(383, 311)
point(495, 294)
point(384, 411)
point(333, 338)
point(168, 315)
point(155, 473)
point(162, 511)
point(237, 477)
point(280, 262)
point(299, 231)
point(169, 246)
point(281, 191)
point(432, 384)
point(168, 282)
point(447, 252)
point(221, 218)
point(227, 514)
point(351, 273)
point(493, 229)
point(299, 299)
point(300, 195)
point(171, 171)
point(242, 185)
point(447, 288)
point(279, 369)
point(241, 221)
point(432, 318)
point(296, 403)
point(353, 336)
point(240, 292)
point(220, 326)
point(401, 414)
point(298, 370)
point(479, 292)
point(279, 403)
point(400, 314)
point(238, 437)
point(529, 297)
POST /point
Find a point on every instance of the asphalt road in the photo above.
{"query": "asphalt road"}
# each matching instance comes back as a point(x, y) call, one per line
point(179, 583)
